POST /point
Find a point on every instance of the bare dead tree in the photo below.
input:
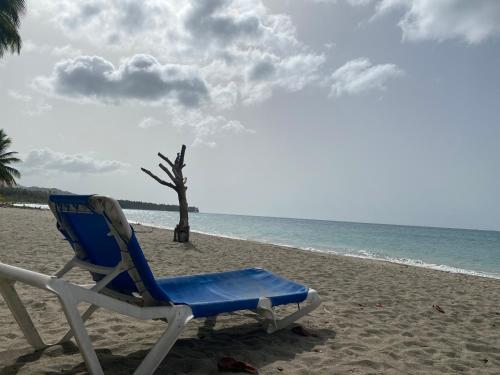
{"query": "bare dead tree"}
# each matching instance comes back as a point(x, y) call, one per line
point(181, 232)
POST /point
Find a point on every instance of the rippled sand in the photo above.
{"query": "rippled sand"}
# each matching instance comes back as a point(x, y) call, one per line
point(376, 318)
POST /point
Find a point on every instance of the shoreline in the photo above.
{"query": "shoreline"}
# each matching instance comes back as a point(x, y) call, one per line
point(375, 317)
point(405, 262)
point(402, 261)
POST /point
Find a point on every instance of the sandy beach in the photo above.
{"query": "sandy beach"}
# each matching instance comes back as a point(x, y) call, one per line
point(376, 317)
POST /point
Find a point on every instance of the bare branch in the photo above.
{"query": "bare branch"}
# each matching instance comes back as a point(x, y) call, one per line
point(166, 159)
point(158, 179)
point(165, 169)
point(172, 165)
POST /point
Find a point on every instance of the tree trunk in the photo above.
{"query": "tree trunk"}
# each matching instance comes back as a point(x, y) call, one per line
point(181, 232)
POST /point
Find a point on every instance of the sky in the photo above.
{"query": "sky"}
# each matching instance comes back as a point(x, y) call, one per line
point(381, 111)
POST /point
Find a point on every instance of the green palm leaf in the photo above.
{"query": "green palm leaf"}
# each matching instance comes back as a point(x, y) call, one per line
point(8, 155)
point(10, 17)
point(6, 161)
point(8, 174)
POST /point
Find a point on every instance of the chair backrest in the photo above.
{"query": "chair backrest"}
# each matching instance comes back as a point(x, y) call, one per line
point(99, 233)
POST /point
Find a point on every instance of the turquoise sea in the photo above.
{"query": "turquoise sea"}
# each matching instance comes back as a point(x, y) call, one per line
point(456, 250)
point(475, 252)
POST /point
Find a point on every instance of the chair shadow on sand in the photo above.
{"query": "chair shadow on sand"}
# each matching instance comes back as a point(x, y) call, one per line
point(198, 355)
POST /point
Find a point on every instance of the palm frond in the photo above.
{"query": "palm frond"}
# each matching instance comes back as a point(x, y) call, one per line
point(8, 154)
point(13, 9)
point(13, 171)
point(7, 173)
point(6, 178)
point(6, 161)
point(10, 18)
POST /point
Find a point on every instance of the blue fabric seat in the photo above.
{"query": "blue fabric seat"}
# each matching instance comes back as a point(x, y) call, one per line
point(215, 293)
point(88, 231)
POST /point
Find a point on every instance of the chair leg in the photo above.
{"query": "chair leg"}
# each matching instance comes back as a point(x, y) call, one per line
point(175, 327)
point(82, 338)
point(20, 314)
point(312, 302)
point(92, 309)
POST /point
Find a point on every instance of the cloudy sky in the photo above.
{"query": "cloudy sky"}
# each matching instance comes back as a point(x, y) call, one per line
point(381, 111)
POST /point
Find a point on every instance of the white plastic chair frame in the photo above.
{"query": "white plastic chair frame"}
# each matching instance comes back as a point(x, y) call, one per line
point(71, 295)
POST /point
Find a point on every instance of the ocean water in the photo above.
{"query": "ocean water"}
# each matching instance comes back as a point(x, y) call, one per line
point(455, 250)
point(475, 252)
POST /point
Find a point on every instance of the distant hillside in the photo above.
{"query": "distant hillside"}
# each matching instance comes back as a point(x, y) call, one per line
point(152, 206)
point(35, 194)
point(32, 194)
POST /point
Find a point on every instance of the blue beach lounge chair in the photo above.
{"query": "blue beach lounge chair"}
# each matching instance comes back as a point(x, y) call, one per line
point(105, 244)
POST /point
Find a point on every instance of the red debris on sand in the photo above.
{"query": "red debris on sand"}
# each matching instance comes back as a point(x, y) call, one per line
point(438, 308)
point(379, 305)
point(232, 364)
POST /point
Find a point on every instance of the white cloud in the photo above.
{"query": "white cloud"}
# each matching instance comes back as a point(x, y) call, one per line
point(29, 46)
point(472, 21)
point(352, 2)
point(359, 2)
point(33, 109)
point(206, 127)
point(39, 109)
point(210, 56)
point(360, 75)
point(149, 122)
point(266, 72)
point(44, 161)
point(214, 21)
point(65, 51)
point(111, 23)
point(19, 96)
point(141, 78)
point(219, 39)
